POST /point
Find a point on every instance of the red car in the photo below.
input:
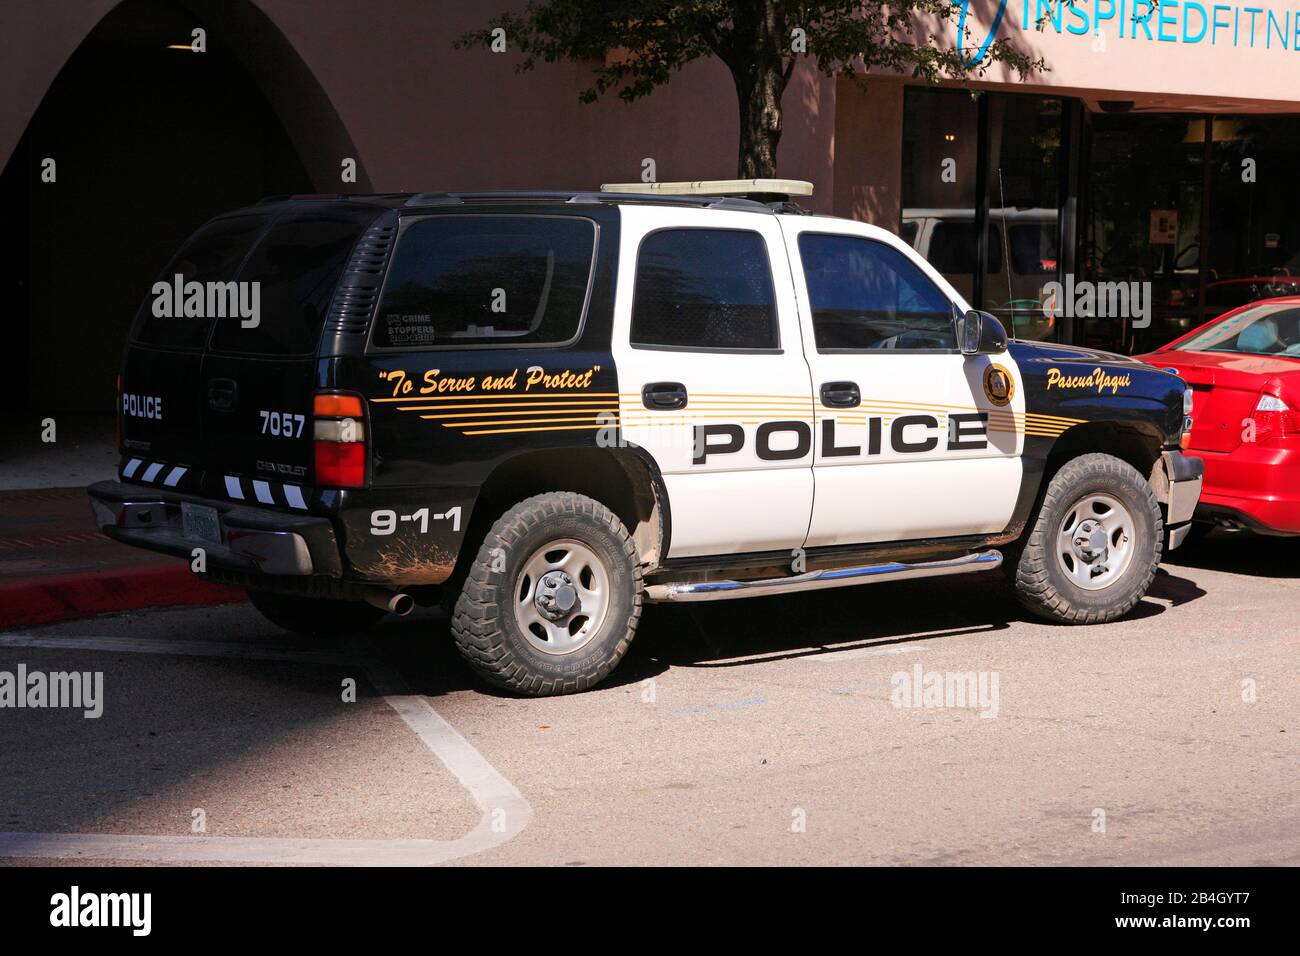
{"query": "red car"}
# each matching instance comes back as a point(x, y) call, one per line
point(1244, 371)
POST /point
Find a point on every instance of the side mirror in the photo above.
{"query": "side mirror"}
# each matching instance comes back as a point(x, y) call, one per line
point(979, 333)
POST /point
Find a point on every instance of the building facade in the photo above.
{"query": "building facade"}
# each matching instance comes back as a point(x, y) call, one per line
point(1152, 155)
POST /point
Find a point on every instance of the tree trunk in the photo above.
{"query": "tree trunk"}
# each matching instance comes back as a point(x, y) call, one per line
point(756, 60)
point(759, 88)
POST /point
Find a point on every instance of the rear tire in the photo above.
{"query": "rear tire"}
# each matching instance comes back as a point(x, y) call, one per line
point(1094, 546)
point(553, 598)
point(316, 617)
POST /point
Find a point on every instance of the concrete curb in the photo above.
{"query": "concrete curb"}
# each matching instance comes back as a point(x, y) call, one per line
point(27, 602)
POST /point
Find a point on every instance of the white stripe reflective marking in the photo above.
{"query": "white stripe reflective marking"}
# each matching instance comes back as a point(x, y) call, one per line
point(233, 489)
point(263, 492)
point(176, 475)
point(151, 472)
point(131, 466)
point(294, 494)
point(506, 812)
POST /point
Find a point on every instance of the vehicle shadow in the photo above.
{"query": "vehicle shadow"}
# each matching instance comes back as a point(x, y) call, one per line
point(1241, 552)
point(730, 634)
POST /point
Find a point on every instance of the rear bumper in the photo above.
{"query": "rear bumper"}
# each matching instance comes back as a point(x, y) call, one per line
point(253, 540)
point(1254, 486)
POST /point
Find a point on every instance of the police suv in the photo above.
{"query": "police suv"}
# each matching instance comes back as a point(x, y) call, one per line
point(546, 409)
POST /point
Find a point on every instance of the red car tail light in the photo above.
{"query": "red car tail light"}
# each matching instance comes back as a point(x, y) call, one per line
point(1273, 418)
point(339, 432)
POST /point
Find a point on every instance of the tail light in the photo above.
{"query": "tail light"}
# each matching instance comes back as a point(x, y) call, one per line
point(1185, 441)
point(1273, 417)
point(339, 430)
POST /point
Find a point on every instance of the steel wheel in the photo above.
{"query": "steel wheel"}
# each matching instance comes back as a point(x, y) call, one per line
point(1095, 541)
point(562, 594)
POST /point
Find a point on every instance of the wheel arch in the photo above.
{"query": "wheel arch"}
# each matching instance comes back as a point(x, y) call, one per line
point(625, 480)
point(1140, 444)
point(1137, 443)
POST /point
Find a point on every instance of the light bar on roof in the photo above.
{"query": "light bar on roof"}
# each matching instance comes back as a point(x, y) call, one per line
point(716, 187)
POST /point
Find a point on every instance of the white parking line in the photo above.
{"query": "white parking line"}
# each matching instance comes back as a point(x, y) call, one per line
point(179, 648)
point(505, 811)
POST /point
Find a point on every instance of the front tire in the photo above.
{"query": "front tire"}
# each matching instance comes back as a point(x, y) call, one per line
point(552, 600)
point(1094, 546)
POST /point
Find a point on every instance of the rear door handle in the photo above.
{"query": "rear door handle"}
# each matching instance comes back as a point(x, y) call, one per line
point(664, 396)
point(222, 393)
point(841, 395)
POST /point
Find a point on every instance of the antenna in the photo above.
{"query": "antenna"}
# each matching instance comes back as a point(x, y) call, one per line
point(1006, 252)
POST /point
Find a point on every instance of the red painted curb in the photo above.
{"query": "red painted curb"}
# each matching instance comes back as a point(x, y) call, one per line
point(45, 600)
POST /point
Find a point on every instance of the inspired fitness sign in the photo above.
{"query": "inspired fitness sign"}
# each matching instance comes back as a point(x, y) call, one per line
point(1144, 21)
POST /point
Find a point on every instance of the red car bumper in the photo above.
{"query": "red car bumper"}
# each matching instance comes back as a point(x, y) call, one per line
point(1256, 486)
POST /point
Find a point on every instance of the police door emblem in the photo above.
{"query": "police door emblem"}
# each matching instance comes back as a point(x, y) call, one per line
point(999, 386)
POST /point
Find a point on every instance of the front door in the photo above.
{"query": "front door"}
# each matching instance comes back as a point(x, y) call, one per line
point(913, 439)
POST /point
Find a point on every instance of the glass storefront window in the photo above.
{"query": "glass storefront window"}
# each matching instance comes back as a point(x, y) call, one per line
point(1021, 169)
point(1024, 185)
point(1142, 226)
point(940, 159)
point(1254, 239)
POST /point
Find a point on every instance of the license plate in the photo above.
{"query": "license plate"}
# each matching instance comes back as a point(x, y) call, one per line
point(200, 521)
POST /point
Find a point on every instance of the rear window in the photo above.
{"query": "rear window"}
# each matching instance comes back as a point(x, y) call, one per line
point(296, 267)
point(1267, 330)
point(487, 280)
point(211, 255)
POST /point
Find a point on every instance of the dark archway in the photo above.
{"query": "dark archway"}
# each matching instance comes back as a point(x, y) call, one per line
point(148, 143)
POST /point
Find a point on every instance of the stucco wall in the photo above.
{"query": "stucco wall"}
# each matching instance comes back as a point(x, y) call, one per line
point(422, 116)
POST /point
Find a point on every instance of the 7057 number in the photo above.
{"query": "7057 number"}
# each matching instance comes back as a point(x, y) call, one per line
point(282, 424)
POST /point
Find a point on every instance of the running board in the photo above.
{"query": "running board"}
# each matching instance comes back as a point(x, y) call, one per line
point(826, 578)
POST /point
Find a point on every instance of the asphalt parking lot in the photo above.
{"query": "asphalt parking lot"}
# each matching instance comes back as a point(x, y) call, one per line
point(753, 732)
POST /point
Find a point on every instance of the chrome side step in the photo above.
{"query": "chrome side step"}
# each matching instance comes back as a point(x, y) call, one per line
point(825, 578)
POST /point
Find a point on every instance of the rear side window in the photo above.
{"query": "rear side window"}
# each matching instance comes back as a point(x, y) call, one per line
point(296, 267)
point(487, 280)
point(868, 295)
point(212, 254)
point(701, 289)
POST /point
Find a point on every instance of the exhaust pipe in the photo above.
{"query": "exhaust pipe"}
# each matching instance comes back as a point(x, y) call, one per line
point(398, 603)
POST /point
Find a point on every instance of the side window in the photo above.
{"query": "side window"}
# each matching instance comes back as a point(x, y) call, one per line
point(486, 280)
point(868, 295)
point(704, 289)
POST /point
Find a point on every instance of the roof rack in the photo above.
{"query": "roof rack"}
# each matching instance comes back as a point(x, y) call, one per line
point(712, 201)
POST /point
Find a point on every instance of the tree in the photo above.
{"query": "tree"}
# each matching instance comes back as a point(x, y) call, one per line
point(635, 46)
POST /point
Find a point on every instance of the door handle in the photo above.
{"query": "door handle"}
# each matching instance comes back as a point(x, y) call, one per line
point(222, 393)
point(664, 396)
point(841, 395)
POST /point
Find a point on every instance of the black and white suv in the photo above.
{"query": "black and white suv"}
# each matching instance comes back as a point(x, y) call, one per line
point(547, 409)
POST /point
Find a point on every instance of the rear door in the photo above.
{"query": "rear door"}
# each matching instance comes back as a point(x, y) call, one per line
point(712, 378)
point(259, 373)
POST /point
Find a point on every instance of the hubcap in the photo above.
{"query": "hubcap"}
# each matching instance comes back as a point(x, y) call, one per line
point(1095, 541)
point(561, 596)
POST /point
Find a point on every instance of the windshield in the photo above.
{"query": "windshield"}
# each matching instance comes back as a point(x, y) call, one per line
point(1263, 330)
